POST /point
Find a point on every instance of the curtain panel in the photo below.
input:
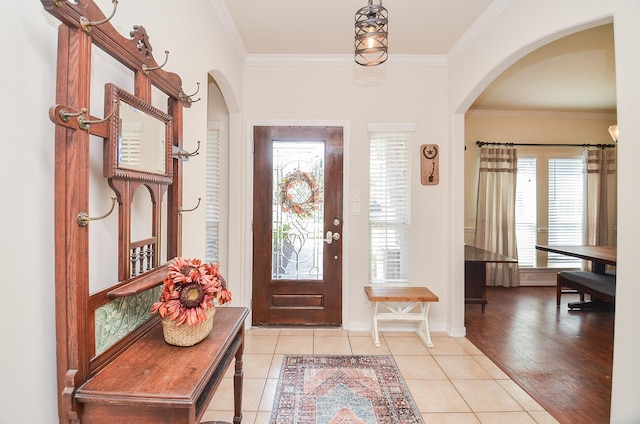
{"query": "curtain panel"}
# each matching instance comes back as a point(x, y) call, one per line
point(496, 212)
point(601, 197)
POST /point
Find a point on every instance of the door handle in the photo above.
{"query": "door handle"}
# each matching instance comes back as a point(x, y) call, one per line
point(331, 237)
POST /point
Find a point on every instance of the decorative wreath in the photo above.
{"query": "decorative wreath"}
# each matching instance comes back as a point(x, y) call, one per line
point(299, 193)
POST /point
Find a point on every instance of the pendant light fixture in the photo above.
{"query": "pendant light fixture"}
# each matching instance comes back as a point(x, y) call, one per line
point(371, 34)
point(613, 131)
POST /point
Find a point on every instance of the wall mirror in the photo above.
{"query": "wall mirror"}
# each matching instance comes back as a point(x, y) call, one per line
point(139, 145)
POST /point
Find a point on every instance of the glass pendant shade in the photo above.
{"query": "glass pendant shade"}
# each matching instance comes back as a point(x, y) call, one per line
point(371, 34)
point(613, 131)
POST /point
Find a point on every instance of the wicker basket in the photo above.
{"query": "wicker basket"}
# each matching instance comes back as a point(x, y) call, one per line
point(187, 335)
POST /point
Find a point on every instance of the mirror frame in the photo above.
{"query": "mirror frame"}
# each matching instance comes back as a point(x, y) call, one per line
point(112, 169)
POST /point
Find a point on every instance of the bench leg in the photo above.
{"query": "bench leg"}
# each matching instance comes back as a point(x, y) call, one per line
point(423, 329)
point(374, 326)
point(559, 293)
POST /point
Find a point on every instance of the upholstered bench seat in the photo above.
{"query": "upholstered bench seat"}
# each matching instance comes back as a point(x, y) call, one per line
point(599, 286)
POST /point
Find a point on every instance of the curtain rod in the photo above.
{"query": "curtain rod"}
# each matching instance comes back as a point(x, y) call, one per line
point(600, 146)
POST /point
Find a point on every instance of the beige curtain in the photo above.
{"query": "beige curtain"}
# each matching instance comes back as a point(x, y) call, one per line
point(496, 212)
point(601, 197)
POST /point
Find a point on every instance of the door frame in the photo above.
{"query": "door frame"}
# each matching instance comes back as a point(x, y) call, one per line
point(346, 204)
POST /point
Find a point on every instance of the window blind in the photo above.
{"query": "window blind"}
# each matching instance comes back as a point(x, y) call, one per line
point(526, 212)
point(389, 207)
point(566, 193)
point(213, 193)
point(129, 147)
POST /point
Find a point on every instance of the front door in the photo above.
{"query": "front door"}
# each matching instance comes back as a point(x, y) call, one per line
point(297, 226)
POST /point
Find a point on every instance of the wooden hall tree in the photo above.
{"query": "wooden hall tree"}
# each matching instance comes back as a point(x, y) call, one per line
point(83, 27)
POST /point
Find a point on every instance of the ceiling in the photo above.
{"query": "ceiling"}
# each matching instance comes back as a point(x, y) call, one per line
point(575, 73)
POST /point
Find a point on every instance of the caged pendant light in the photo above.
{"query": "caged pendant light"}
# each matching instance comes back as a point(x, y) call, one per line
point(371, 34)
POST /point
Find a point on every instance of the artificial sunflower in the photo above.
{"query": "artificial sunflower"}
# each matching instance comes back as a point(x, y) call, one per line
point(190, 288)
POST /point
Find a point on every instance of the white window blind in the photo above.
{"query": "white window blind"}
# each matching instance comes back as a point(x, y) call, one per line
point(566, 193)
point(213, 193)
point(526, 212)
point(129, 146)
point(389, 207)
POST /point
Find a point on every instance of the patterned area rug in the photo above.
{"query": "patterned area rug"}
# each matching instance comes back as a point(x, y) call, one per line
point(342, 390)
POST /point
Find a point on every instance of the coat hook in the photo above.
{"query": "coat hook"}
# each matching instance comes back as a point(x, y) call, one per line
point(180, 210)
point(146, 69)
point(189, 96)
point(84, 218)
point(84, 123)
point(179, 153)
point(65, 115)
point(86, 25)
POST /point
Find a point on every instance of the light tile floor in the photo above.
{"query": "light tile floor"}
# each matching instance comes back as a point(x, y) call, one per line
point(452, 382)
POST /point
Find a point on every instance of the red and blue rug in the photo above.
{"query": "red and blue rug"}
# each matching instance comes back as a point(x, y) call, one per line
point(338, 389)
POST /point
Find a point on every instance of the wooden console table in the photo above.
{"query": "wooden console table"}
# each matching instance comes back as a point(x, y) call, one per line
point(153, 382)
point(475, 273)
point(409, 298)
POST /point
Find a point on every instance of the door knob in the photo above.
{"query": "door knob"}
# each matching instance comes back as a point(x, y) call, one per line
point(331, 237)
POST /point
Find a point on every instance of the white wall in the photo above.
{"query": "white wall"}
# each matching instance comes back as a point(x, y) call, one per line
point(625, 407)
point(27, 353)
point(388, 94)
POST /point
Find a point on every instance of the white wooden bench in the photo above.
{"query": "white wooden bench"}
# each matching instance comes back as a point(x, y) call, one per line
point(401, 304)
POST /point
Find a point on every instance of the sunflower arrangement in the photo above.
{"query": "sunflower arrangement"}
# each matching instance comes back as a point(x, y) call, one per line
point(190, 289)
point(299, 193)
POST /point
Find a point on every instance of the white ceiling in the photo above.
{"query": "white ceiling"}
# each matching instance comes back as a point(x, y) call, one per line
point(575, 73)
point(427, 27)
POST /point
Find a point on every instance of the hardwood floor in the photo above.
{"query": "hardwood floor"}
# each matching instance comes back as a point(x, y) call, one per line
point(562, 358)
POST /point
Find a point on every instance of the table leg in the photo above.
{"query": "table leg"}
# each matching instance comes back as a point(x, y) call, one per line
point(475, 283)
point(237, 385)
point(598, 267)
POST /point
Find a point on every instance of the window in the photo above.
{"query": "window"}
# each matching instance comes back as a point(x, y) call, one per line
point(566, 192)
point(213, 193)
point(389, 208)
point(549, 207)
point(526, 216)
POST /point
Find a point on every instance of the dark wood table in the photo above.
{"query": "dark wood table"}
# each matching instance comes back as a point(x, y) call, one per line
point(598, 255)
point(475, 273)
point(154, 382)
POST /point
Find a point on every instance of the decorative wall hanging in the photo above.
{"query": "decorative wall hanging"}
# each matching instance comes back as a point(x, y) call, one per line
point(299, 193)
point(429, 167)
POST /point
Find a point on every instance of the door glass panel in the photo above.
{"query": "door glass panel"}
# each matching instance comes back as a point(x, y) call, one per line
point(298, 210)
